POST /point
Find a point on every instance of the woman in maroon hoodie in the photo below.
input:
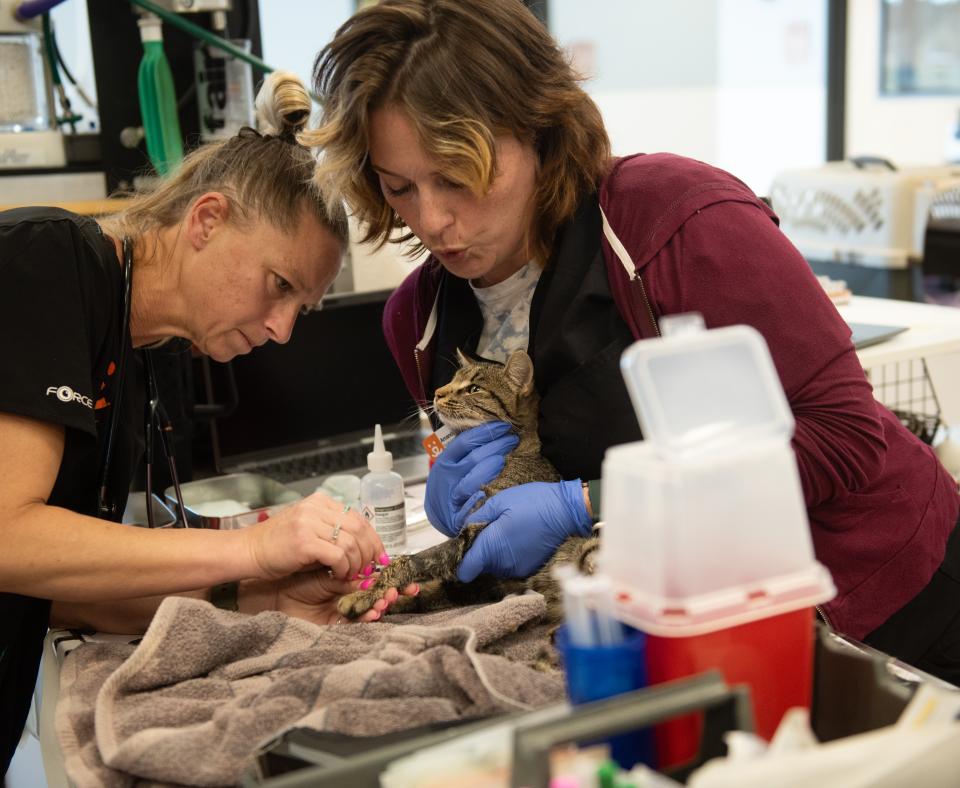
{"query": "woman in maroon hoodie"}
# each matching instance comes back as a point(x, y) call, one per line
point(461, 122)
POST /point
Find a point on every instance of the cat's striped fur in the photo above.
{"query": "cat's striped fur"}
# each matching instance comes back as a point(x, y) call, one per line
point(482, 391)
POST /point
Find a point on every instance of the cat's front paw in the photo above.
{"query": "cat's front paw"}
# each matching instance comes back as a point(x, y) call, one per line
point(359, 602)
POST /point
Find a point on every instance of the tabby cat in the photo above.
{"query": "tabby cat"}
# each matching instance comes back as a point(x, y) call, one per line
point(481, 391)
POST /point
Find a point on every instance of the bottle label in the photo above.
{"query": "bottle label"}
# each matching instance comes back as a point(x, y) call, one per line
point(390, 523)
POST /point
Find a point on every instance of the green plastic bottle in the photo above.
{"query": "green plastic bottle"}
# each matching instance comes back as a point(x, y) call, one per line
point(158, 100)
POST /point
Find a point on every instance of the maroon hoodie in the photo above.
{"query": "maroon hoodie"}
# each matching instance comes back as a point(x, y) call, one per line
point(880, 504)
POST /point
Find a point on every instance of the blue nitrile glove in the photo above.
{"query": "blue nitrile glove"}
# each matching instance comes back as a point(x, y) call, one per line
point(474, 458)
point(526, 525)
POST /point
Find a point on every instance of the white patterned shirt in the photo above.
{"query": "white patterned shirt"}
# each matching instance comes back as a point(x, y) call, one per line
point(505, 307)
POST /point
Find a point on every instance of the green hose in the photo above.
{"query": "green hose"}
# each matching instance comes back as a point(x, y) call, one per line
point(49, 50)
point(207, 37)
point(158, 101)
point(204, 35)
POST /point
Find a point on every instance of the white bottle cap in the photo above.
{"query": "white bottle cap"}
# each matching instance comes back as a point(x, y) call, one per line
point(379, 459)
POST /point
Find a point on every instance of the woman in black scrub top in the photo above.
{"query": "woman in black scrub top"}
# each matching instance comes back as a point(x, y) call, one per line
point(224, 254)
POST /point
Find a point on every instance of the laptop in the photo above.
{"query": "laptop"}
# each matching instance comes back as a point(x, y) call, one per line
point(867, 334)
point(307, 409)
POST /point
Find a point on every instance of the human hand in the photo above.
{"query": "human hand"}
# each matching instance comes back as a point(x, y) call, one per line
point(474, 458)
point(527, 524)
point(315, 531)
point(313, 596)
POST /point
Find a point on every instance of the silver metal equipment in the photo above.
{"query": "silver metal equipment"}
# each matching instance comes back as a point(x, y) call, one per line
point(29, 137)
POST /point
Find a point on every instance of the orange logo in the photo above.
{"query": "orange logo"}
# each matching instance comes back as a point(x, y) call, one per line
point(102, 402)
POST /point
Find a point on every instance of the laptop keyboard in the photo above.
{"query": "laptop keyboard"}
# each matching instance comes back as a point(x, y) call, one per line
point(329, 461)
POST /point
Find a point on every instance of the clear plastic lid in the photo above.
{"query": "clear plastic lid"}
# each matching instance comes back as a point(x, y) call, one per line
point(695, 389)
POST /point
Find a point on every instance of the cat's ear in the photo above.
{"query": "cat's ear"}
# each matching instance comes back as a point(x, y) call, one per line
point(519, 371)
point(462, 359)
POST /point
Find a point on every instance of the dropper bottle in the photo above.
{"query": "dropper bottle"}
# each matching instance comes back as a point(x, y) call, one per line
point(381, 496)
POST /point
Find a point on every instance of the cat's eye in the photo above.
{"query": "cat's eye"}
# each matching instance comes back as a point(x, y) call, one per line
point(474, 390)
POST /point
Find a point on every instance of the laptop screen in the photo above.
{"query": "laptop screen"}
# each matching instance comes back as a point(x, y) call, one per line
point(864, 335)
point(334, 376)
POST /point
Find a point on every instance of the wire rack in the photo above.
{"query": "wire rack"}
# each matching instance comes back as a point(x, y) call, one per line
point(905, 387)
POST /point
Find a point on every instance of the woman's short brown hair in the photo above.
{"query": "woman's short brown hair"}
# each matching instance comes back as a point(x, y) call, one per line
point(464, 71)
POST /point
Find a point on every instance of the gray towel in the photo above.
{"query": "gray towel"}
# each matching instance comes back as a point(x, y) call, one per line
point(191, 703)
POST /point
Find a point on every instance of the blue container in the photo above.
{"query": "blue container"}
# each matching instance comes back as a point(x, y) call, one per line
point(597, 672)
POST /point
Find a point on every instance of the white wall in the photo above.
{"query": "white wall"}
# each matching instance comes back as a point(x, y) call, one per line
point(714, 79)
point(651, 72)
point(771, 87)
point(677, 119)
point(292, 32)
point(907, 129)
point(737, 83)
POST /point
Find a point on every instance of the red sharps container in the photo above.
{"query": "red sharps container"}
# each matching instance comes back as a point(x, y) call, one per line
point(706, 538)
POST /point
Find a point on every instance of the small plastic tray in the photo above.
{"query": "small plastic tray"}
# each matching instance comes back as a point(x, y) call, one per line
point(258, 496)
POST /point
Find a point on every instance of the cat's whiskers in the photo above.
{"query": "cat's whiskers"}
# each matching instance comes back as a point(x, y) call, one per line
point(413, 415)
point(429, 409)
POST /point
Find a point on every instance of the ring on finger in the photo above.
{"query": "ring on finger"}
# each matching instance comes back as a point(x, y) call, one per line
point(336, 528)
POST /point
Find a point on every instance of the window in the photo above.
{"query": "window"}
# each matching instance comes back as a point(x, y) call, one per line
point(920, 47)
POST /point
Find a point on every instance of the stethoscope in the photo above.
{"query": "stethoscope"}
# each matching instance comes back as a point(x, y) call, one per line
point(155, 417)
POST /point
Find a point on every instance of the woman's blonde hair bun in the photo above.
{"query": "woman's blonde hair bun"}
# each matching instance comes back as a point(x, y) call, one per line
point(283, 105)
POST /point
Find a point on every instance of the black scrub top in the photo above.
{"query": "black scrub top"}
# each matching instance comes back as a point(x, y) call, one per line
point(61, 307)
point(576, 338)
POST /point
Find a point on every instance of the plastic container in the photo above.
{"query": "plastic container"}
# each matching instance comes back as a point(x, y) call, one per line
point(382, 500)
point(719, 537)
point(598, 672)
point(773, 655)
point(232, 501)
point(862, 212)
point(343, 487)
point(706, 538)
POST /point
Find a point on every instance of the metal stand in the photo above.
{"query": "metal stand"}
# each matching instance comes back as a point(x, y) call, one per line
point(534, 735)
